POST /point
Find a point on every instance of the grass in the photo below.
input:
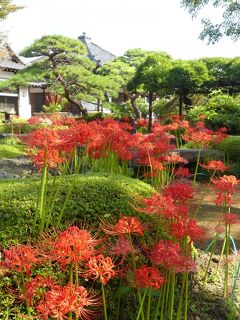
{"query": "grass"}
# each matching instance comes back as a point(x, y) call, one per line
point(11, 148)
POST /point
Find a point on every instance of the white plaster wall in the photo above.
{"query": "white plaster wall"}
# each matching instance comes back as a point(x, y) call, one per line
point(24, 107)
point(4, 75)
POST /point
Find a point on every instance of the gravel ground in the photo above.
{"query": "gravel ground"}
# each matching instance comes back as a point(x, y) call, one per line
point(20, 167)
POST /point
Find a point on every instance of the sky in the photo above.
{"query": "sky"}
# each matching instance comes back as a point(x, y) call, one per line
point(117, 25)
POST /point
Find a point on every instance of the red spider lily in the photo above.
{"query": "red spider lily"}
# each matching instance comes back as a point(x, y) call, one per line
point(230, 218)
point(59, 301)
point(226, 184)
point(223, 198)
point(20, 258)
point(34, 120)
point(124, 226)
point(158, 205)
point(73, 246)
point(142, 122)
point(111, 137)
point(186, 228)
point(182, 172)
point(169, 254)
point(81, 133)
point(122, 247)
point(152, 147)
point(51, 159)
point(166, 253)
point(215, 165)
point(179, 192)
point(46, 145)
point(43, 139)
point(36, 288)
point(174, 157)
point(100, 267)
point(148, 277)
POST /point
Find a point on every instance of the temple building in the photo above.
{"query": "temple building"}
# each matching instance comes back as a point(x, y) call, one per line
point(26, 101)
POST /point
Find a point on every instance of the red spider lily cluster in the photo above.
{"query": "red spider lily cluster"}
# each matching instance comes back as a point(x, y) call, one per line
point(147, 257)
point(100, 139)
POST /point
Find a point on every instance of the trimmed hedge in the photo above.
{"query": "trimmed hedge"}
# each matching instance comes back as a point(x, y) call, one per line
point(92, 197)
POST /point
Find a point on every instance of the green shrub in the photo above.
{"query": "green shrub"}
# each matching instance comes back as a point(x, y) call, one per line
point(231, 147)
point(220, 110)
point(93, 197)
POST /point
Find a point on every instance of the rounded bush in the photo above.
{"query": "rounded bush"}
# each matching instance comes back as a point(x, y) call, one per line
point(92, 197)
point(231, 147)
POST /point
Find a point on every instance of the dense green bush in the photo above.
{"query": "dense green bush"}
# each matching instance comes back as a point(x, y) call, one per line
point(220, 110)
point(231, 147)
point(93, 197)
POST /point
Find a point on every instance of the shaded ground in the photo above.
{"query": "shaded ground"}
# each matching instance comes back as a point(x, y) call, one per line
point(209, 214)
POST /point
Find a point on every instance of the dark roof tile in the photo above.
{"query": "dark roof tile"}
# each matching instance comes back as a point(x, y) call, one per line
point(95, 52)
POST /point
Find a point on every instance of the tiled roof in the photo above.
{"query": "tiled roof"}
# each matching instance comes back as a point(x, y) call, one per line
point(9, 60)
point(95, 52)
point(6, 64)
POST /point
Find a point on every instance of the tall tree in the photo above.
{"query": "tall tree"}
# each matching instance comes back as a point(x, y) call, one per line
point(213, 32)
point(63, 65)
point(184, 77)
point(150, 77)
point(121, 70)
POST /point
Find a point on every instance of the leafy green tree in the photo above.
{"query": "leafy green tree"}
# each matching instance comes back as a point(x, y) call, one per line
point(63, 65)
point(219, 72)
point(121, 70)
point(150, 78)
point(184, 77)
point(230, 24)
point(6, 7)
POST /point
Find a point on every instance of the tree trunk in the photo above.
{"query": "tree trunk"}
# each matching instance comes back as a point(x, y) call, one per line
point(134, 107)
point(67, 95)
point(150, 111)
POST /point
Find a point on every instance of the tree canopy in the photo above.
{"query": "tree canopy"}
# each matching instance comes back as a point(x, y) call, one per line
point(150, 77)
point(64, 67)
point(6, 7)
point(121, 70)
point(212, 31)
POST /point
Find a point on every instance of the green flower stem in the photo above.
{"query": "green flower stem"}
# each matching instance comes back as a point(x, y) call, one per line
point(210, 258)
point(168, 289)
point(172, 295)
point(179, 310)
point(149, 303)
point(42, 198)
point(196, 168)
point(134, 270)
point(221, 255)
point(76, 274)
point(163, 300)
point(66, 201)
point(227, 234)
point(203, 196)
point(158, 302)
point(119, 300)
point(186, 299)
point(140, 311)
point(104, 301)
